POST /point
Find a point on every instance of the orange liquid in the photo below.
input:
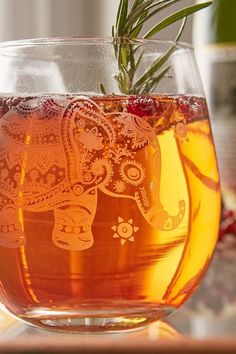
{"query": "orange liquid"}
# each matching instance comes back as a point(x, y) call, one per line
point(103, 218)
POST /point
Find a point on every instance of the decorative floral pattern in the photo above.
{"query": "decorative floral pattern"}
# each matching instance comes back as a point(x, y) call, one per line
point(56, 155)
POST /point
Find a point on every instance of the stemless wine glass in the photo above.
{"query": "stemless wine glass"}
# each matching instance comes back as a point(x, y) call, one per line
point(110, 200)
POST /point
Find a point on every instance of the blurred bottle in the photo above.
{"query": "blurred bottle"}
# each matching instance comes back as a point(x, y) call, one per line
point(214, 36)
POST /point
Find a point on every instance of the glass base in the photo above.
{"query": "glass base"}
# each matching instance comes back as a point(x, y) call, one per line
point(94, 321)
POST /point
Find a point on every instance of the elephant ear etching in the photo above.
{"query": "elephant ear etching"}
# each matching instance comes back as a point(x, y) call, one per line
point(55, 154)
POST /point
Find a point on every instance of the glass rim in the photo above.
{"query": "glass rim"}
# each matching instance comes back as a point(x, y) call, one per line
point(50, 41)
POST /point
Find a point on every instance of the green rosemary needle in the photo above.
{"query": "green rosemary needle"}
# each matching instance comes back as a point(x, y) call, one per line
point(129, 24)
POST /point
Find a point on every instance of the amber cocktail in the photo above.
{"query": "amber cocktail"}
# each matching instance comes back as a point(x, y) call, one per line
point(109, 203)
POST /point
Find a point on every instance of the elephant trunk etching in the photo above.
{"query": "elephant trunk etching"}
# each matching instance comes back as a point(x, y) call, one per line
point(157, 216)
point(75, 150)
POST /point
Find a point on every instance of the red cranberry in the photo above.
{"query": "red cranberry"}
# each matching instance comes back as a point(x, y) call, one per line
point(221, 234)
point(228, 223)
point(227, 214)
point(144, 106)
point(231, 228)
point(192, 107)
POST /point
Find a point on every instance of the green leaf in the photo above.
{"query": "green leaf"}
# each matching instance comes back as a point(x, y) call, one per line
point(153, 68)
point(132, 63)
point(124, 55)
point(146, 6)
point(121, 18)
point(159, 62)
point(146, 18)
point(126, 77)
point(175, 17)
point(102, 89)
point(135, 32)
point(134, 15)
point(181, 29)
point(118, 15)
point(135, 4)
point(138, 60)
point(152, 83)
point(123, 80)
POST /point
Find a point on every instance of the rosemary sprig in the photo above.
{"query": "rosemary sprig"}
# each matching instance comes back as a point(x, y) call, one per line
point(173, 18)
point(129, 24)
point(141, 83)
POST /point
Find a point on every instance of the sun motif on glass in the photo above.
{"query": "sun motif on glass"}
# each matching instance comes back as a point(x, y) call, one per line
point(124, 230)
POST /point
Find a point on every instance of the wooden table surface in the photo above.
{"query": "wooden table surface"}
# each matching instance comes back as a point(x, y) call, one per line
point(184, 333)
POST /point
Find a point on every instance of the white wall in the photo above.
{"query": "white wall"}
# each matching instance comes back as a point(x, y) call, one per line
point(45, 18)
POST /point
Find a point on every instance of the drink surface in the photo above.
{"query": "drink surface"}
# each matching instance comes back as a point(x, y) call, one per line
point(106, 202)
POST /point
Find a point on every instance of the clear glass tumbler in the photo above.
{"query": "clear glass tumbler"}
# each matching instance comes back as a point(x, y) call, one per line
point(109, 188)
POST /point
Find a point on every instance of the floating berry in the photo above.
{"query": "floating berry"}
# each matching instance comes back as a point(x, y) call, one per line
point(192, 107)
point(144, 106)
point(186, 106)
point(8, 103)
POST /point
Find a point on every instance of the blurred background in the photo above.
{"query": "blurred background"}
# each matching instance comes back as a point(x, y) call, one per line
point(83, 18)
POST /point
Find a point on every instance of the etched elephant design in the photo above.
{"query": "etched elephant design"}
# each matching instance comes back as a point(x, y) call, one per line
point(56, 154)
